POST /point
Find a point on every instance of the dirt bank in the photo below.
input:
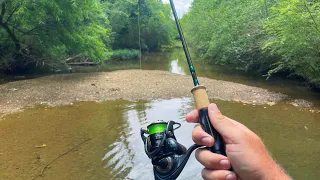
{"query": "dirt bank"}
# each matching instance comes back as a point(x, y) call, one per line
point(64, 89)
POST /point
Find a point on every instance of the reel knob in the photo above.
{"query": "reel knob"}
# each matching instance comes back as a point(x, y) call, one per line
point(173, 146)
point(164, 165)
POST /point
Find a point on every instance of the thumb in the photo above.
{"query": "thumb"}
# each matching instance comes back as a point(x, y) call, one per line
point(228, 130)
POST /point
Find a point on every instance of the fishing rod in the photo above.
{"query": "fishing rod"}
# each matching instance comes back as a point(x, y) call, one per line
point(200, 95)
point(168, 156)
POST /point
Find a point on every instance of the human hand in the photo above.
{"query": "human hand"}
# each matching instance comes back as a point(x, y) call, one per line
point(245, 151)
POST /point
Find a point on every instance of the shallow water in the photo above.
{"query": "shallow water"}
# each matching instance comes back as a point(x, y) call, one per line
point(92, 140)
point(114, 149)
point(174, 61)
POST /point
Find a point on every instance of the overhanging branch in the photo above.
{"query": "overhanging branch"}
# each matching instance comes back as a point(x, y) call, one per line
point(3, 11)
point(314, 21)
point(12, 13)
point(28, 32)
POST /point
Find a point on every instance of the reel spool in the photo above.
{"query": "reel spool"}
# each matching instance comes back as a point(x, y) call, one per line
point(167, 155)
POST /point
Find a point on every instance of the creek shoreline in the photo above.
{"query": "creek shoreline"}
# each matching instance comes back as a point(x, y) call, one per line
point(132, 85)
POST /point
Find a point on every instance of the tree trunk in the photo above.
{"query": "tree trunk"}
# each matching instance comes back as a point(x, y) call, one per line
point(6, 27)
point(12, 36)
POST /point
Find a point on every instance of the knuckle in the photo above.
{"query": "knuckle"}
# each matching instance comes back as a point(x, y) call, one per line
point(256, 138)
point(195, 135)
point(214, 105)
point(211, 164)
point(203, 156)
point(204, 174)
point(197, 154)
point(236, 136)
point(209, 174)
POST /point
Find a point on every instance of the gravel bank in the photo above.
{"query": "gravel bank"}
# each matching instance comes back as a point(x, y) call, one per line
point(56, 90)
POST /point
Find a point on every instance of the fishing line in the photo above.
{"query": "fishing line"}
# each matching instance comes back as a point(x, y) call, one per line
point(185, 46)
point(139, 28)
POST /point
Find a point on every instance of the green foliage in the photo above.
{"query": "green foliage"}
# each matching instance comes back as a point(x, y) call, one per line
point(157, 26)
point(47, 32)
point(294, 34)
point(261, 35)
point(228, 32)
point(125, 54)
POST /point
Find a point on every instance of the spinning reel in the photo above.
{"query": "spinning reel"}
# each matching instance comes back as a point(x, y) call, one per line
point(167, 155)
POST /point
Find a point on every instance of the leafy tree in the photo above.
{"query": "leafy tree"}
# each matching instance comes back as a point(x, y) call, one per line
point(48, 32)
point(157, 26)
point(294, 34)
point(42, 32)
point(228, 32)
point(268, 36)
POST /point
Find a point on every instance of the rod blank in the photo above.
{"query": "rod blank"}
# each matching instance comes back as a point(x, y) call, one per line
point(184, 44)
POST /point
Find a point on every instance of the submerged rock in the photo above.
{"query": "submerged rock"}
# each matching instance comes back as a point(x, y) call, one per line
point(301, 103)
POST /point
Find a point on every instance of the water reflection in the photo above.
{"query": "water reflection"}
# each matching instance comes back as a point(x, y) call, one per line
point(174, 109)
point(115, 150)
point(279, 126)
point(175, 68)
point(173, 60)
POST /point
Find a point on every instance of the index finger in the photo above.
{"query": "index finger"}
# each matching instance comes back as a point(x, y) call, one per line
point(193, 116)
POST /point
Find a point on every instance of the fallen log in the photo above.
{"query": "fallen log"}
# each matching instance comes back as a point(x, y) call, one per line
point(82, 64)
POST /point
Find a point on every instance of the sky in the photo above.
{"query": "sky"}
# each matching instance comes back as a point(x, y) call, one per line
point(182, 6)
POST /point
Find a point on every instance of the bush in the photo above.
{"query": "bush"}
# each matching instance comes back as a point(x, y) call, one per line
point(125, 55)
point(271, 37)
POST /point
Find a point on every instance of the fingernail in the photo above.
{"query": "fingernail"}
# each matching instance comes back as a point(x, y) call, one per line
point(206, 141)
point(225, 163)
point(214, 108)
point(231, 176)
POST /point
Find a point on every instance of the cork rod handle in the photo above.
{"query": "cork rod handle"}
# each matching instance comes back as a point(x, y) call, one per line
point(202, 102)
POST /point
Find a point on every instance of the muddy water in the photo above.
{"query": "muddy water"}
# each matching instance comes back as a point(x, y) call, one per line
point(102, 140)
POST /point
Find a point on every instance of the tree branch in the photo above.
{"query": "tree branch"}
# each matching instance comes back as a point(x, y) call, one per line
point(72, 57)
point(12, 36)
point(15, 27)
point(10, 16)
point(3, 11)
point(51, 162)
point(266, 8)
point(6, 27)
point(22, 31)
point(314, 21)
point(30, 57)
point(29, 31)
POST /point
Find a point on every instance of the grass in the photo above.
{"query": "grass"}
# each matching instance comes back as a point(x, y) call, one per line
point(125, 55)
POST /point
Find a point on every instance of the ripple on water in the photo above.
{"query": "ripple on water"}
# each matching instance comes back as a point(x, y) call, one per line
point(115, 150)
point(140, 115)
